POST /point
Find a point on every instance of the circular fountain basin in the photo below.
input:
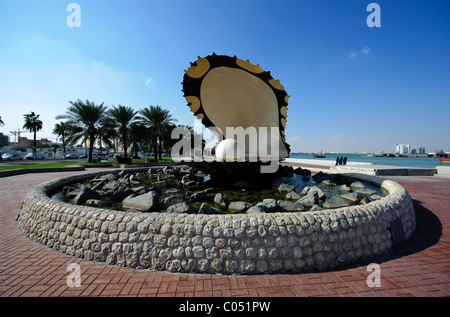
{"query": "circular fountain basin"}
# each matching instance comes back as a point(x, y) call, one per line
point(253, 243)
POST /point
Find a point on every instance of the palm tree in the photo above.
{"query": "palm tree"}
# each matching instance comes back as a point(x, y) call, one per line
point(61, 129)
point(1, 121)
point(137, 134)
point(106, 132)
point(84, 119)
point(158, 120)
point(124, 116)
point(33, 124)
point(167, 140)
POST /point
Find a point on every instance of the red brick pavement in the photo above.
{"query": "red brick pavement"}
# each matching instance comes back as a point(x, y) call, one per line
point(419, 268)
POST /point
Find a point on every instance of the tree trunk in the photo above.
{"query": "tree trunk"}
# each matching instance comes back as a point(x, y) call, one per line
point(91, 147)
point(160, 148)
point(124, 136)
point(155, 148)
point(64, 144)
point(34, 144)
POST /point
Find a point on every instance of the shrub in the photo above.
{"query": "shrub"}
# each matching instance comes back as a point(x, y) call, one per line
point(122, 160)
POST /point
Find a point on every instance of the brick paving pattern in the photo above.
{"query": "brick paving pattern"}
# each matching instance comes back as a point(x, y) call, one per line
point(419, 268)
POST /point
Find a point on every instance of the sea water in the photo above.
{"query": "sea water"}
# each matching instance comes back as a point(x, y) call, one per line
point(422, 162)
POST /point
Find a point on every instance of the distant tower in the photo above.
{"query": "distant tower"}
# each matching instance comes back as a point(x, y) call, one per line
point(402, 149)
point(4, 140)
point(407, 149)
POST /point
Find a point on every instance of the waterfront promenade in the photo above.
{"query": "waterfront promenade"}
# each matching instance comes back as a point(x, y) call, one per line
point(421, 267)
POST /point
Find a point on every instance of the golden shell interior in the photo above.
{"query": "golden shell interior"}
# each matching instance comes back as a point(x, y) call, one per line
point(240, 95)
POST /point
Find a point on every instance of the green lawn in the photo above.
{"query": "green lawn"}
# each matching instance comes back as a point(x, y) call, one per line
point(41, 165)
point(164, 160)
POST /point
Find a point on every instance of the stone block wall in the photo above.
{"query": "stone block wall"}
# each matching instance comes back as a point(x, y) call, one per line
point(227, 244)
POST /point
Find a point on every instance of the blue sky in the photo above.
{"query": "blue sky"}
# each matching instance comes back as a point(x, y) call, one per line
point(353, 88)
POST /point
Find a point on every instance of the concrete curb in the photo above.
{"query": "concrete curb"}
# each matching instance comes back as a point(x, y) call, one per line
point(21, 171)
point(70, 168)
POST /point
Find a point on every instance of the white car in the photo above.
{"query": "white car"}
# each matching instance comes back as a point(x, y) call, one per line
point(12, 157)
point(100, 156)
point(71, 156)
point(39, 156)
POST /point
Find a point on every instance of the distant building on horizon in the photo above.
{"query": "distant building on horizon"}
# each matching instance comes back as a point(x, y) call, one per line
point(406, 149)
point(402, 148)
point(4, 140)
point(24, 141)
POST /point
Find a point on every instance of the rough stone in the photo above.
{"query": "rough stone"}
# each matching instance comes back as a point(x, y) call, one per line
point(134, 179)
point(99, 185)
point(346, 188)
point(255, 210)
point(116, 191)
point(352, 197)
point(221, 200)
point(140, 190)
point(208, 210)
point(198, 196)
point(268, 205)
point(302, 171)
point(210, 190)
point(146, 202)
point(292, 196)
point(335, 202)
point(375, 197)
point(171, 191)
point(159, 185)
point(179, 208)
point(286, 187)
point(305, 190)
point(242, 184)
point(357, 185)
point(320, 176)
point(320, 194)
point(86, 194)
point(107, 177)
point(171, 200)
point(94, 202)
point(366, 191)
point(239, 206)
point(285, 171)
point(311, 199)
point(285, 205)
point(365, 200)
